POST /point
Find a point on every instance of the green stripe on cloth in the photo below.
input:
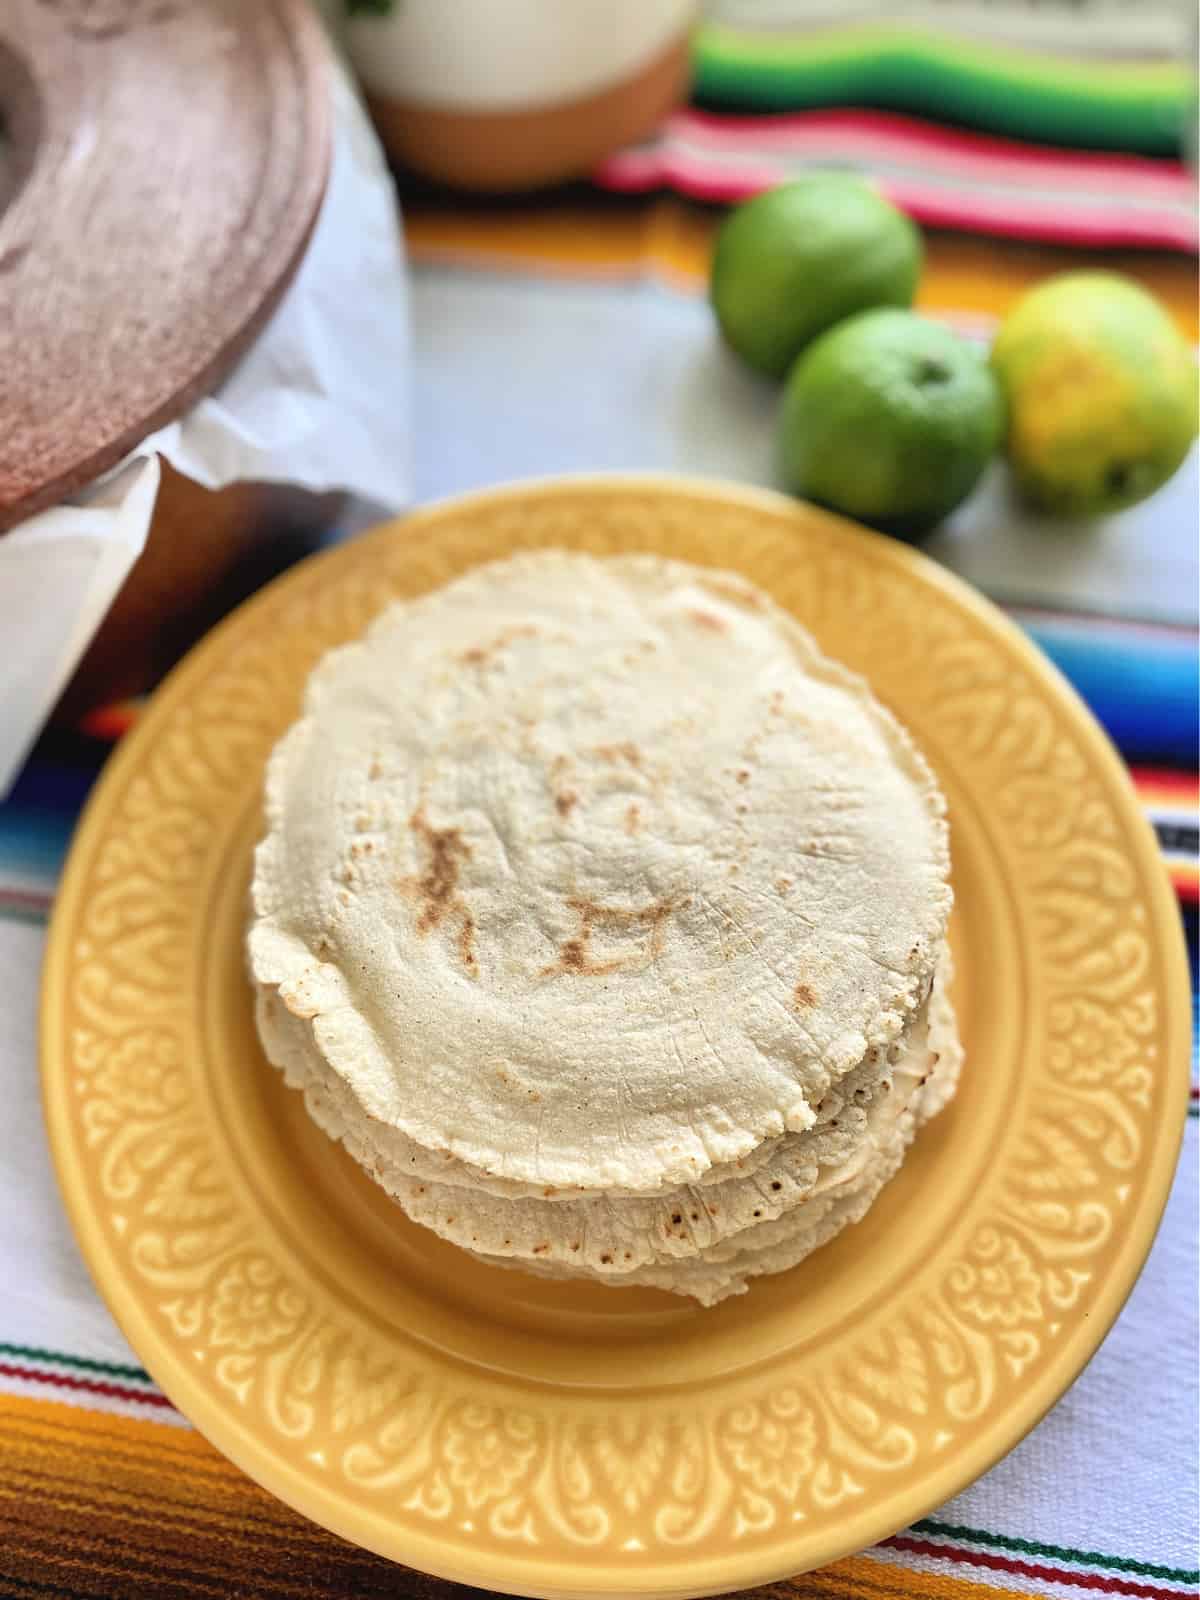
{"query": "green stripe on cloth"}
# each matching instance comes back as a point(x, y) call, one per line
point(111, 1369)
point(1030, 1547)
point(1142, 108)
point(19, 910)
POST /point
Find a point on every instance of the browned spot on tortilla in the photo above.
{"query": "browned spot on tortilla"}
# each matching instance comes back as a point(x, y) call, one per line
point(466, 943)
point(743, 594)
point(743, 775)
point(572, 959)
point(564, 800)
point(478, 655)
point(436, 889)
point(782, 885)
point(633, 819)
point(777, 700)
point(540, 1249)
point(375, 770)
point(576, 954)
point(437, 886)
point(709, 620)
point(625, 751)
point(803, 995)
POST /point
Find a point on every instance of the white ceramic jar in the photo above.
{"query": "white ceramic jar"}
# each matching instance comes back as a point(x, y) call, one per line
point(509, 94)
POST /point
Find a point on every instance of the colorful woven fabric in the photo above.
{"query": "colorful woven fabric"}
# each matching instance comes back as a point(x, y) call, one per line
point(1089, 77)
point(554, 338)
point(1058, 123)
point(945, 177)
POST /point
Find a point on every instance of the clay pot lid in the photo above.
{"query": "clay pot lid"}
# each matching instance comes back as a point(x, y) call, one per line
point(165, 165)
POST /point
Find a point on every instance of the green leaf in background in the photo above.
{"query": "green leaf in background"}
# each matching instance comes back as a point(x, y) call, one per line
point(369, 8)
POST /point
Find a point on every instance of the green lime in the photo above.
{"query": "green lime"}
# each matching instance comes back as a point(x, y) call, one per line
point(890, 418)
point(1101, 390)
point(795, 260)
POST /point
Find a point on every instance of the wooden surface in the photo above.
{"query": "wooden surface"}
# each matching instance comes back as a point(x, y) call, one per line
point(166, 164)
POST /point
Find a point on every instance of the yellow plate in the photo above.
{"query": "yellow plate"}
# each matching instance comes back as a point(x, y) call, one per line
point(554, 1440)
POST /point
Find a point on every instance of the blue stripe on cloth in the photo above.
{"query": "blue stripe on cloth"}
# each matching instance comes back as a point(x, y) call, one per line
point(40, 812)
point(1141, 684)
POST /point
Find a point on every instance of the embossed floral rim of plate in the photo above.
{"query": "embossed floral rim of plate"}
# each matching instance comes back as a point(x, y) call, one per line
point(556, 1439)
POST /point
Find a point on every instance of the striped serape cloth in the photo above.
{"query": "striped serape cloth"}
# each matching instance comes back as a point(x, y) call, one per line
point(1051, 121)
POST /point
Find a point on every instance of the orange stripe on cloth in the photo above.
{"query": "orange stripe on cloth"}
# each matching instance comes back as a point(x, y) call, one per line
point(110, 721)
point(93, 1505)
point(671, 240)
point(864, 1578)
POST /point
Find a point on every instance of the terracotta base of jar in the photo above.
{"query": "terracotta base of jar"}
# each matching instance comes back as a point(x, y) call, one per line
point(494, 151)
point(206, 550)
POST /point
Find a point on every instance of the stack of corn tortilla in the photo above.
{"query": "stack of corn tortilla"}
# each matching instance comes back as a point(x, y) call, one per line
point(603, 920)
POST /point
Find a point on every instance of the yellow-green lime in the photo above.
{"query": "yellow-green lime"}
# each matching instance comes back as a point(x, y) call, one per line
point(795, 260)
point(1101, 389)
point(890, 418)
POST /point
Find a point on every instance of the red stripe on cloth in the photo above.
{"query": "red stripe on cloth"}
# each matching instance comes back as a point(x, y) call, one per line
point(1168, 780)
point(1097, 1581)
point(36, 900)
point(1133, 171)
point(878, 138)
point(1059, 219)
point(64, 1380)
